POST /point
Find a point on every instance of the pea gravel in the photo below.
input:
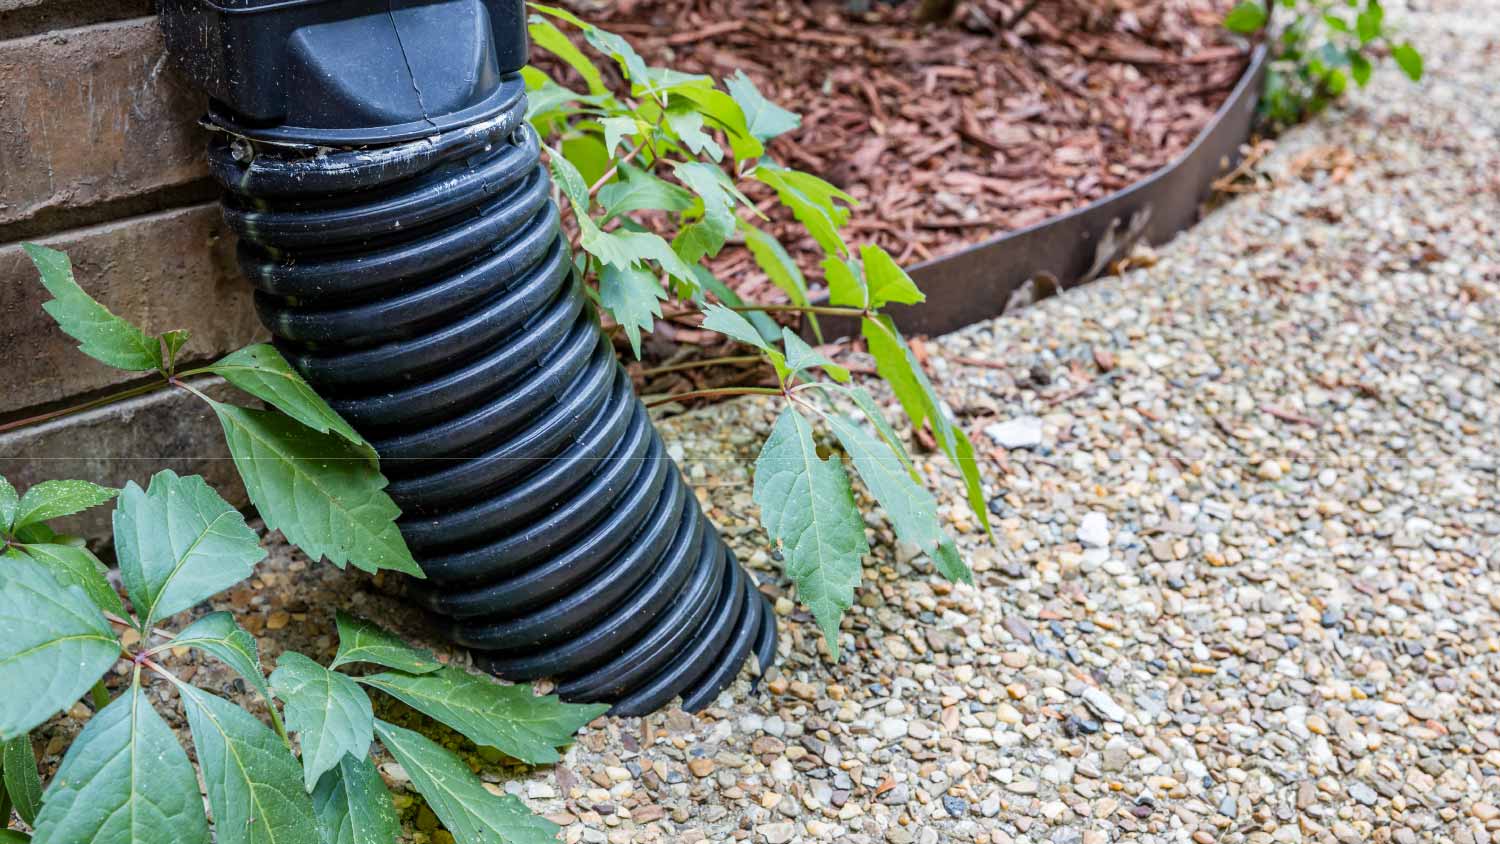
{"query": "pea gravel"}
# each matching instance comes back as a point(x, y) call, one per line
point(1246, 582)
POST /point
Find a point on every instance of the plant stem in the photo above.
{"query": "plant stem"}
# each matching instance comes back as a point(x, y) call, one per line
point(716, 391)
point(99, 695)
point(615, 168)
point(823, 310)
point(696, 364)
point(88, 405)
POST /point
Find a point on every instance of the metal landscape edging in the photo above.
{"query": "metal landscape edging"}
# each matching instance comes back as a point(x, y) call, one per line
point(979, 281)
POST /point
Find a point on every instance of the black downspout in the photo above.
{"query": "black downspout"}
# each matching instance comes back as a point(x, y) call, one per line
point(398, 226)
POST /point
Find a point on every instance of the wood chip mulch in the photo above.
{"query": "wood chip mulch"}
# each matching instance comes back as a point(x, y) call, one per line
point(1010, 112)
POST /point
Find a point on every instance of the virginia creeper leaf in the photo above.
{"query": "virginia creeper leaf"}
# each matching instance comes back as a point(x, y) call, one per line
point(800, 356)
point(687, 125)
point(54, 499)
point(546, 35)
point(633, 298)
point(511, 719)
point(77, 565)
point(768, 328)
point(765, 119)
point(638, 190)
point(53, 645)
point(179, 543)
point(616, 130)
point(814, 202)
point(22, 782)
point(1409, 60)
point(470, 812)
point(846, 283)
point(124, 780)
point(362, 641)
point(262, 372)
point(808, 508)
point(100, 334)
point(872, 411)
point(220, 635)
point(317, 490)
point(717, 223)
point(354, 806)
point(329, 711)
point(887, 281)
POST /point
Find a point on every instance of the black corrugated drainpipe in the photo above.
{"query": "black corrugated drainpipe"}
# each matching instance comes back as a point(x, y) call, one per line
point(398, 227)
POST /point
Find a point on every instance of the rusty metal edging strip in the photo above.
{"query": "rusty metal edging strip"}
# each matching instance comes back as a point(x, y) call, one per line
point(978, 282)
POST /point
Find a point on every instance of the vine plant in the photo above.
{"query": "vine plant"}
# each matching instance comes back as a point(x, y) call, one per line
point(64, 628)
point(1324, 44)
point(672, 172)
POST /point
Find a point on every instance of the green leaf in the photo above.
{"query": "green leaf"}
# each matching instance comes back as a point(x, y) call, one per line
point(1246, 17)
point(586, 151)
point(800, 356)
point(1336, 23)
point(510, 718)
point(872, 411)
point(22, 782)
point(54, 499)
point(354, 806)
point(723, 111)
point(616, 130)
point(767, 327)
point(219, 635)
point(911, 508)
point(887, 281)
point(814, 202)
point(124, 780)
point(10, 836)
point(639, 190)
point(174, 341)
point(1335, 81)
point(624, 249)
point(178, 544)
point(764, 118)
point(633, 297)
point(1409, 60)
point(687, 124)
point(1368, 23)
point(731, 324)
point(329, 712)
point(362, 641)
point(317, 490)
point(8, 503)
point(468, 811)
point(53, 645)
point(546, 35)
point(1360, 68)
point(100, 334)
point(76, 565)
point(569, 180)
point(899, 367)
point(262, 372)
point(251, 776)
point(808, 508)
point(846, 284)
point(773, 260)
point(717, 223)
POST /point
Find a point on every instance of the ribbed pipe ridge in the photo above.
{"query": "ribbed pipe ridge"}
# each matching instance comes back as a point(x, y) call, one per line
point(426, 290)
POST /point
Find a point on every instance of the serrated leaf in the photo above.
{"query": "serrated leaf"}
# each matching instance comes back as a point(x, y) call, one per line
point(76, 565)
point(54, 499)
point(179, 543)
point(1246, 17)
point(616, 130)
point(363, 641)
point(251, 776)
point(768, 328)
point(633, 297)
point(818, 206)
point(124, 780)
point(330, 713)
point(511, 719)
point(354, 806)
point(800, 356)
point(687, 125)
point(317, 490)
point(872, 412)
point(1409, 60)
point(911, 508)
point(723, 111)
point(623, 249)
point(21, 780)
point(638, 190)
point(468, 811)
point(764, 118)
point(807, 506)
point(100, 334)
point(9, 500)
point(734, 326)
point(846, 283)
point(717, 222)
point(220, 635)
point(53, 645)
point(887, 281)
point(546, 35)
point(263, 372)
point(776, 263)
point(900, 369)
point(565, 174)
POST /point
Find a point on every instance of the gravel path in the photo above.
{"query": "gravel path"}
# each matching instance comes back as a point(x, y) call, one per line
point(1247, 584)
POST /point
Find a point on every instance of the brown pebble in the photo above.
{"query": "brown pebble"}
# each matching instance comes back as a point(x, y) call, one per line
point(701, 767)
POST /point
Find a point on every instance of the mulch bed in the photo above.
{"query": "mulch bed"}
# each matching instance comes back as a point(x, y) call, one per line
point(1011, 112)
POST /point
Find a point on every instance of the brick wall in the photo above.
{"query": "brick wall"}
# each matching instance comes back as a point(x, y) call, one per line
point(101, 156)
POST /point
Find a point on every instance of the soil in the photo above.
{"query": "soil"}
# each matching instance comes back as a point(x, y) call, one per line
point(1008, 113)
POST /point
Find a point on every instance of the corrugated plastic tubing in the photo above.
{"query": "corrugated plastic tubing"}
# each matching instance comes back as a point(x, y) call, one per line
point(425, 288)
